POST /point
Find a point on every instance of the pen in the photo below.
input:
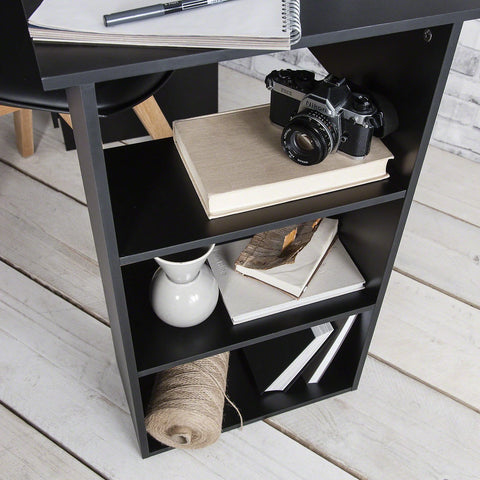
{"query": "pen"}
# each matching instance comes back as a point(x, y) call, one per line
point(158, 10)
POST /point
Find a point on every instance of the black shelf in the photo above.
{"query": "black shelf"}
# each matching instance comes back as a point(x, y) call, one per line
point(157, 211)
point(339, 378)
point(158, 346)
point(143, 203)
point(62, 66)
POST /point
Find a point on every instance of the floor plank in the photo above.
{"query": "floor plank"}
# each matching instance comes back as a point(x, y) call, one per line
point(450, 183)
point(432, 337)
point(50, 163)
point(28, 455)
point(441, 251)
point(392, 428)
point(48, 235)
point(57, 370)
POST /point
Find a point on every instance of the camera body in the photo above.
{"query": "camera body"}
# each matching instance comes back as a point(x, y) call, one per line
point(321, 117)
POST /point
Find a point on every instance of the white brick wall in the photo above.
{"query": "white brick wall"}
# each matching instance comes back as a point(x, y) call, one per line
point(458, 123)
point(457, 128)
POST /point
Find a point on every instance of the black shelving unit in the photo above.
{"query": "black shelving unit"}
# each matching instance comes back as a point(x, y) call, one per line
point(142, 204)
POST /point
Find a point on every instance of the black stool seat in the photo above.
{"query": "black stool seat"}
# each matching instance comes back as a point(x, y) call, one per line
point(112, 96)
point(20, 84)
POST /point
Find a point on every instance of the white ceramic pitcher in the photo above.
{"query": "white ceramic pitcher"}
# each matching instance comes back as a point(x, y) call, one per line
point(184, 293)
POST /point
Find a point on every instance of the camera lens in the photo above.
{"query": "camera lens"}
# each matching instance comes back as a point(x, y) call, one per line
point(303, 142)
point(309, 137)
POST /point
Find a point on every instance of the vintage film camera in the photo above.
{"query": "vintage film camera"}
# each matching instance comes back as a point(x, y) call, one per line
point(321, 117)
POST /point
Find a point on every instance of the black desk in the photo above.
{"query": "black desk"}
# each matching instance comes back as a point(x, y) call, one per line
point(402, 49)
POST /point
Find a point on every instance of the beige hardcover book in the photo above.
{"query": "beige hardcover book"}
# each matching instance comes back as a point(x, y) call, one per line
point(236, 163)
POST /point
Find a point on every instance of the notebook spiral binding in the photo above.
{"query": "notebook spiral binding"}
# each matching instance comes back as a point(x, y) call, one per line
point(291, 19)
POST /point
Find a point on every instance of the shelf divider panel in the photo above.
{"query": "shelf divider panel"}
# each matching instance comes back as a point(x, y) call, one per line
point(157, 211)
point(158, 346)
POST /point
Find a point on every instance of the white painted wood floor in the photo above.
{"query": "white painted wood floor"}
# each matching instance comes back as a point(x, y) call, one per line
point(63, 414)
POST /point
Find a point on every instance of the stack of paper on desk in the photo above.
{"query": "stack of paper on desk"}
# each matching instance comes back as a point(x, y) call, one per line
point(249, 24)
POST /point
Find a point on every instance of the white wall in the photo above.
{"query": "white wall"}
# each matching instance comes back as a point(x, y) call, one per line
point(457, 128)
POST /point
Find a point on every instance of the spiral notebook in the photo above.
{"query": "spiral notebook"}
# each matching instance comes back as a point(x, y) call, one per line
point(246, 24)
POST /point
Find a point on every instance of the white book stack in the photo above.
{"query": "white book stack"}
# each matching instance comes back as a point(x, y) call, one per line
point(319, 364)
point(277, 363)
point(246, 298)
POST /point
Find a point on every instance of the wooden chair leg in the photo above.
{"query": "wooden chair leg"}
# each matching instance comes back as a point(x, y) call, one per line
point(151, 116)
point(153, 119)
point(24, 131)
point(67, 118)
point(4, 110)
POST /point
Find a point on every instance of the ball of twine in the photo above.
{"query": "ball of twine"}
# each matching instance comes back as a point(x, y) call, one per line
point(186, 406)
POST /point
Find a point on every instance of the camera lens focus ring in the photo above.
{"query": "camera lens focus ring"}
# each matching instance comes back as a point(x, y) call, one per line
point(309, 137)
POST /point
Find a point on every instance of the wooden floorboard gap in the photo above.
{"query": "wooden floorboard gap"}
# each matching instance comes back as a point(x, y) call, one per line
point(314, 450)
point(55, 291)
point(446, 213)
point(434, 287)
point(39, 180)
point(419, 380)
point(51, 439)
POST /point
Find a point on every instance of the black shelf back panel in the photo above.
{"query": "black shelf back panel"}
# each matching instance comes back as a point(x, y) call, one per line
point(158, 346)
point(368, 235)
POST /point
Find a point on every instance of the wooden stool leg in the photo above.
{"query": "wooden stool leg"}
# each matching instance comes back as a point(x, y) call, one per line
point(67, 118)
point(24, 131)
point(152, 118)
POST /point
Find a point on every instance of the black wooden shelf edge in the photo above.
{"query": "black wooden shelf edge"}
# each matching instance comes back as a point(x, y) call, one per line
point(156, 447)
point(339, 21)
point(241, 388)
point(158, 346)
point(390, 194)
point(157, 211)
point(230, 337)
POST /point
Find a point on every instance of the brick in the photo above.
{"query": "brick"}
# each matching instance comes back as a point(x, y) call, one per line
point(466, 138)
point(264, 64)
point(470, 35)
point(300, 59)
point(458, 110)
point(463, 87)
point(291, 57)
point(476, 123)
point(466, 61)
point(456, 150)
point(308, 61)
